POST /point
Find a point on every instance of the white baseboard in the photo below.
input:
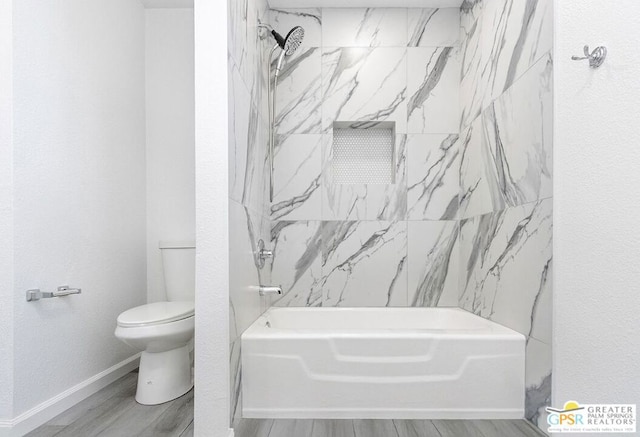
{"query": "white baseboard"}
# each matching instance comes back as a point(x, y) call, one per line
point(40, 414)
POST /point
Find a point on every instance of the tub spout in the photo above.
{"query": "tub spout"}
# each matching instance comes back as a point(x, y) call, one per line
point(266, 290)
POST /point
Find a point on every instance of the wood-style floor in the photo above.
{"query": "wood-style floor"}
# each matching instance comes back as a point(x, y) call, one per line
point(384, 428)
point(113, 412)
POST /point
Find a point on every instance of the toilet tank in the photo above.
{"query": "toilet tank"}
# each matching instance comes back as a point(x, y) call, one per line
point(179, 267)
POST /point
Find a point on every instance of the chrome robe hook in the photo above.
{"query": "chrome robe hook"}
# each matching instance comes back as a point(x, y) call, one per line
point(596, 57)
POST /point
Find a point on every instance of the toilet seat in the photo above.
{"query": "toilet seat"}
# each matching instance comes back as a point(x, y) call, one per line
point(156, 313)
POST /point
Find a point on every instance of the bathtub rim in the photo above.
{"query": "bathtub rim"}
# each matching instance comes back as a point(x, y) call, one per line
point(490, 330)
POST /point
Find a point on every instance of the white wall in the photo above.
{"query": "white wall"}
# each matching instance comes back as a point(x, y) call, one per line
point(597, 180)
point(212, 222)
point(79, 187)
point(6, 212)
point(170, 136)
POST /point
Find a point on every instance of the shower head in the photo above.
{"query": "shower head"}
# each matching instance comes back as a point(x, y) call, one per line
point(293, 40)
point(289, 45)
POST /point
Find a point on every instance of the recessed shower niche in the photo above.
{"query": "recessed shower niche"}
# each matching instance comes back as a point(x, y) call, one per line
point(363, 155)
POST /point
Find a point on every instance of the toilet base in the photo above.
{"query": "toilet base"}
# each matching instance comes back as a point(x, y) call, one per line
point(164, 376)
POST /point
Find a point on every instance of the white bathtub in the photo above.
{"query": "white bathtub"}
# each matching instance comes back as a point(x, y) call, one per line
point(366, 363)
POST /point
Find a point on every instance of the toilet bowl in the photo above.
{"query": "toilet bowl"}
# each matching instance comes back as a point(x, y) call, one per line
point(163, 331)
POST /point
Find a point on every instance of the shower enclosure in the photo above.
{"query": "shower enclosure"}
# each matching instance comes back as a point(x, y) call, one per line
point(411, 159)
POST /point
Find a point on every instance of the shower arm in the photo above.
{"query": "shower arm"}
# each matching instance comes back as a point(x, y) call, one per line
point(279, 39)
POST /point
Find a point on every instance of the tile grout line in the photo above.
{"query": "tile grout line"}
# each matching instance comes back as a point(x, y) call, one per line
point(436, 428)
point(393, 422)
point(182, 433)
point(273, 421)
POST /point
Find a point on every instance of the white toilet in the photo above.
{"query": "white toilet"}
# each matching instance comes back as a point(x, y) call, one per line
point(164, 330)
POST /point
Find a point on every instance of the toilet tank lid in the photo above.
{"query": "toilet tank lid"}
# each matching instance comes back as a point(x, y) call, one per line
point(181, 244)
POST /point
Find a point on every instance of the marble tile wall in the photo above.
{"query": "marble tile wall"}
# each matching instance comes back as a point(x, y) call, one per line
point(507, 149)
point(515, 295)
point(505, 155)
point(360, 67)
point(249, 215)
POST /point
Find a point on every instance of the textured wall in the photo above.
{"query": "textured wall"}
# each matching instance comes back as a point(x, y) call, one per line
point(505, 176)
point(596, 324)
point(211, 407)
point(6, 211)
point(365, 65)
point(79, 188)
point(248, 173)
point(170, 136)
